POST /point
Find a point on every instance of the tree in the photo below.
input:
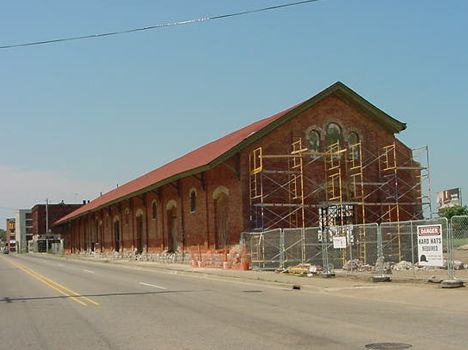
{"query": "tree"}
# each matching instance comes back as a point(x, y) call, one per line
point(452, 211)
point(2, 235)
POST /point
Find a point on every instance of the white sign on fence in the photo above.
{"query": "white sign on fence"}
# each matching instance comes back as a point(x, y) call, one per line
point(339, 242)
point(430, 249)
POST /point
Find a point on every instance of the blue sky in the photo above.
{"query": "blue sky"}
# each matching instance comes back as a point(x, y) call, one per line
point(80, 117)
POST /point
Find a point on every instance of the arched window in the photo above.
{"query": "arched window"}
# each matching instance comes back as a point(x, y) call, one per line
point(333, 133)
point(354, 147)
point(313, 139)
point(353, 138)
point(193, 200)
point(220, 189)
point(154, 211)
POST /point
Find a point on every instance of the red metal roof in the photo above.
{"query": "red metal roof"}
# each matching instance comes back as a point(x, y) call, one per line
point(190, 161)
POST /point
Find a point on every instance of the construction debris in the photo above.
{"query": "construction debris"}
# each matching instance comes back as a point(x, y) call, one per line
point(356, 265)
point(299, 270)
point(402, 265)
point(458, 265)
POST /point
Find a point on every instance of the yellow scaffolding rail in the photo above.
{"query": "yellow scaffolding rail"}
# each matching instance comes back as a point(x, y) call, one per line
point(357, 192)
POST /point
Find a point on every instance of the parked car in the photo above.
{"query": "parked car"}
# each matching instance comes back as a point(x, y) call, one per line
point(6, 250)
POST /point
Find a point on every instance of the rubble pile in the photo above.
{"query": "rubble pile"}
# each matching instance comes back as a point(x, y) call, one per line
point(402, 265)
point(457, 265)
point(356, 265)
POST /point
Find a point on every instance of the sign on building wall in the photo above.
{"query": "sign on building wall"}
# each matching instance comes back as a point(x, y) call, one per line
point(449, 198)
point(430, 249)
point(11, 225)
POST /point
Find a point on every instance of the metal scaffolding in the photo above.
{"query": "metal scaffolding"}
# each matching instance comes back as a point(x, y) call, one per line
point(376, 184)
point(277, 189)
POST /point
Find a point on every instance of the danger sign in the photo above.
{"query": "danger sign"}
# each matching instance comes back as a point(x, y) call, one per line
point(430, 249)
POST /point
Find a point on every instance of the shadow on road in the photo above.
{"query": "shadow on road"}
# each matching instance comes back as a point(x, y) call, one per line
point(9, 300)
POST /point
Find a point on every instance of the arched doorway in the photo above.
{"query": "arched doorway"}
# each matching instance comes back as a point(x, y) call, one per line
point(117, 239)
point(139, 233)
point(221, 201)
point(171, 214)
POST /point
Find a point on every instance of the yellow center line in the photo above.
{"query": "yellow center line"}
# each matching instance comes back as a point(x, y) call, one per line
point(66, 289)
point(78, 298)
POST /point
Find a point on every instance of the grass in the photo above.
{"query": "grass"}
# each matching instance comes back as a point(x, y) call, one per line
point(457, 242)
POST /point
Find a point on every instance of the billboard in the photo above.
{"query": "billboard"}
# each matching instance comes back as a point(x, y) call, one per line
point(10, 225)
point(449, 198)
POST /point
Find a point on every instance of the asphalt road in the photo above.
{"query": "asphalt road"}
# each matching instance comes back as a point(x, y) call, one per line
point(58, 304)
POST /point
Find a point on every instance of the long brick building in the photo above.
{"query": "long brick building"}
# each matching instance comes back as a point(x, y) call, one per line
point(204, 200)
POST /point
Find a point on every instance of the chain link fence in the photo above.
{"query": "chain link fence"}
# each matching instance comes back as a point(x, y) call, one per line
point(293, 247)
point(388, 248)
point(400, 240)
point(282, 248)
point(265, 249)
point(459, 225)
point(400, 249)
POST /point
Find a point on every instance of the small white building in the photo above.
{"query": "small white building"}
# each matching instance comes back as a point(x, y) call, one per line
point(23, 229)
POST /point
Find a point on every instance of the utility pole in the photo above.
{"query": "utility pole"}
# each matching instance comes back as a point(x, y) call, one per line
point(47, 216)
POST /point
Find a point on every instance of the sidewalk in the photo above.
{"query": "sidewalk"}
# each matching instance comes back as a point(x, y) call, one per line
point(343, 278)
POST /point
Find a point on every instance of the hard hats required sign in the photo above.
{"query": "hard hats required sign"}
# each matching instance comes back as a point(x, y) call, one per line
point(430, 249)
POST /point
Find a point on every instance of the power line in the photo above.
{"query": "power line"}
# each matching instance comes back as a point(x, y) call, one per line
point(157, 26)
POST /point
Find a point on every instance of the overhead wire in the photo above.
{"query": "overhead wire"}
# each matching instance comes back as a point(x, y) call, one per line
point(157, 26)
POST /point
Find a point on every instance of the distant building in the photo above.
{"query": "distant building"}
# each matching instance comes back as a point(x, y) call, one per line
point(43, 218)
point(11, 236)
point(23, 229)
